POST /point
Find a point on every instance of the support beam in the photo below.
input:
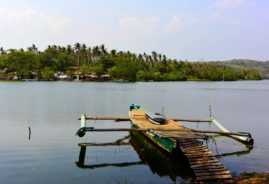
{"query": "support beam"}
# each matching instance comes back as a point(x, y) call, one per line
point(117, 119)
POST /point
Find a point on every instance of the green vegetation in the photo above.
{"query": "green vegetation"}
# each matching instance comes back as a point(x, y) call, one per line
point(84, 61)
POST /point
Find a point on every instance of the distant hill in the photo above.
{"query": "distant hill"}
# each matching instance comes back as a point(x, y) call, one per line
point(262, 66)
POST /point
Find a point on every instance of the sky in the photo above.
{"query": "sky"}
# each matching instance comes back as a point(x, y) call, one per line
point(194, 30)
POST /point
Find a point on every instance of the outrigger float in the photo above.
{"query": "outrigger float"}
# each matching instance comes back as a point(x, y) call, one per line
point(171, 136)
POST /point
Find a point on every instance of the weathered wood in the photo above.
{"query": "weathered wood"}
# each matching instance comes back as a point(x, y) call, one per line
point(198, 174)
point(105, 144)
point(196, 147)
point(207, 173)
point(200, 151)
point(208, 169)
point(202, 159)
point(213, 177)
point(200, 164)
point(207, 166)
point(114, 118)
point(193, 120)
point(107, 118)
point(215, 132)
point(217, 164)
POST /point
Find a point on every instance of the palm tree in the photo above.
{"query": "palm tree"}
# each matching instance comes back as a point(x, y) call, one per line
point(154, 55)
point(69, 49)
point(146, 57)
point(77, 48)
point(89, 55)
point(96, 52)
point(160, 57)
point(83, 50)
point(2, 51)
point(140, 57)
point(113, 52)
point(33, 48)
point(103, 50)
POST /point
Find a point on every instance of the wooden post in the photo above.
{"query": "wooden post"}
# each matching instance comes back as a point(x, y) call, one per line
point(210, 112)
point(29, 137)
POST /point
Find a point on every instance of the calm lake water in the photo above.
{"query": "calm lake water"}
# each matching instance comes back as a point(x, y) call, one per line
point(51, 110)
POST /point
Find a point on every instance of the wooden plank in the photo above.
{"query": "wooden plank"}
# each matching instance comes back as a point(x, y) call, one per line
point(207, 167)
point(197, 174)
point(204, 162)
point(214, 177)
point(185, 140)
point(197, 154)
point(194, 147)
point(203, 158)
point(199, 151)
point(189, 144)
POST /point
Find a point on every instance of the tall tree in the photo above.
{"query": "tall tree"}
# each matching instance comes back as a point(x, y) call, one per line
point(77, 49)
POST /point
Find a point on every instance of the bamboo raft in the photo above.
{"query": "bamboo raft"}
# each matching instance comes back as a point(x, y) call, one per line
point(173, 136)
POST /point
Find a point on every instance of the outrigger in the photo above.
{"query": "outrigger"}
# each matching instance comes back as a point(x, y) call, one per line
point(171, 136)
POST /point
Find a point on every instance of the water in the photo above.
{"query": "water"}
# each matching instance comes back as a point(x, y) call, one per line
point(51, 110)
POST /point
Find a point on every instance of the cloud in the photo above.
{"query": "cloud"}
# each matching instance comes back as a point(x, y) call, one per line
point(146, 24)
point(179, 22)
point(217, 16)
point(29, 21)
point(227, 3)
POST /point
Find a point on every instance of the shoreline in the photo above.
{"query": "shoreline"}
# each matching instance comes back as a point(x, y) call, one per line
point(125, 81)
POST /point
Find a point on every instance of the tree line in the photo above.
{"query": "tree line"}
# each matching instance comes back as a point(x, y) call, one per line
point(97, 60)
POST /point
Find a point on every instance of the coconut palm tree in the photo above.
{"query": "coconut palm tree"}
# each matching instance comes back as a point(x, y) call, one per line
point(103, 50)
point(77, 48)
point(96, 53)
point(2, 51)
point(83, 51)
point(113, 52)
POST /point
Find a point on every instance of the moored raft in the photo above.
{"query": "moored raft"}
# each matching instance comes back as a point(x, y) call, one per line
point(163, 134)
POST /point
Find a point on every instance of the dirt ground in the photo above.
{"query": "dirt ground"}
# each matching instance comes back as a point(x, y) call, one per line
point(253, 178)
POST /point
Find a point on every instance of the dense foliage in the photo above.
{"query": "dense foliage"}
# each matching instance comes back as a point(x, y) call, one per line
point(32, 63)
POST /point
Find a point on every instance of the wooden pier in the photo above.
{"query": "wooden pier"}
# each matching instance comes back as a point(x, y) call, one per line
point(206, 167)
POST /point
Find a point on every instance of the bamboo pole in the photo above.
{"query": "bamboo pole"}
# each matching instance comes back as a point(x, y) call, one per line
point(241, 137)
point(117, 119)
point(216, 132)
point(193, 120)
point(156, 129)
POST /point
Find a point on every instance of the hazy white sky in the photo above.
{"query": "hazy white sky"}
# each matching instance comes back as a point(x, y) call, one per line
point(181, 29)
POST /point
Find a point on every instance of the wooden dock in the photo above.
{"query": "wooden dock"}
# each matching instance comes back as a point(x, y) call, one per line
point(206, 167)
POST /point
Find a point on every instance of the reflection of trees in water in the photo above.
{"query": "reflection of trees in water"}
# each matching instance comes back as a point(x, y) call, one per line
point(160, 162)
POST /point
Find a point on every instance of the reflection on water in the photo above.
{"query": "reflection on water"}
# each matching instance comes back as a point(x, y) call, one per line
point(159, 162)
point(30, 132)
point(174, 165)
